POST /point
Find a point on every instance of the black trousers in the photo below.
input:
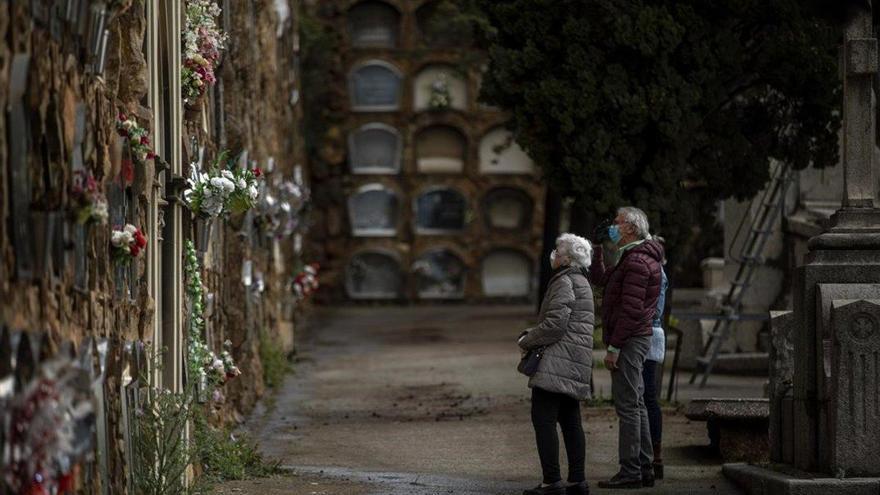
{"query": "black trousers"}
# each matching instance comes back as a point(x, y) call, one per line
point(548, 409)
point(655, 416)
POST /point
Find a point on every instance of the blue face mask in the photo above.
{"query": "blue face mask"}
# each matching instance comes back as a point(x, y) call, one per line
point(614, 233)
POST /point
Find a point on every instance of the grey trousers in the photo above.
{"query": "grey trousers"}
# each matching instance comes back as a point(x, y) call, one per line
point(634, 438)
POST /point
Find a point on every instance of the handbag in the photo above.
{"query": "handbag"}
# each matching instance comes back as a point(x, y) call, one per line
point(528, 365)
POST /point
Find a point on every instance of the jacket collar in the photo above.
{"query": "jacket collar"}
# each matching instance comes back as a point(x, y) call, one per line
point(564, 270)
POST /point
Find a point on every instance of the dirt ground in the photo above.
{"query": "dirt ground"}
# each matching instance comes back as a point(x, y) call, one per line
point(426, 400)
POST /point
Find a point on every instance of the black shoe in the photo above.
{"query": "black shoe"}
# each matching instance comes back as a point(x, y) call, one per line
point(557, 488)
point(618, 481)
point(648, 477)
point(658, 470)
point(581, 488)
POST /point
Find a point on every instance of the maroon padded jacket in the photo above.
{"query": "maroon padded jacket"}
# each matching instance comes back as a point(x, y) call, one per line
point(631, 291)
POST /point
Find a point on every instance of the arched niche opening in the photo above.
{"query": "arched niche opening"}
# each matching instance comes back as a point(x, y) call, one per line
point(440, 210)
point(439, 87)
point(436, 30)
point(500, 154)
point(374, 149)
point(375, 87)
point(373, 275)
point(373, 24)
point(440, 149)
point(506, 273)
point(373, 211)
point(440, 274)
point(507, 208)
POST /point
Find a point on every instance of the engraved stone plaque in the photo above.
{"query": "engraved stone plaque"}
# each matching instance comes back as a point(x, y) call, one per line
point(854, 430)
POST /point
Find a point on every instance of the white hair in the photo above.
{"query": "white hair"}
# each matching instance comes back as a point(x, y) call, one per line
point(578, 249)
point(637, 219)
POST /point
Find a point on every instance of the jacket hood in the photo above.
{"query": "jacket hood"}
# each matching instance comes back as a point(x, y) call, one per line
point(651, 248)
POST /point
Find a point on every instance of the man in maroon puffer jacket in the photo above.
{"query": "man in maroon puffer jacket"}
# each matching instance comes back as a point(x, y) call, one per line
point(629, 302)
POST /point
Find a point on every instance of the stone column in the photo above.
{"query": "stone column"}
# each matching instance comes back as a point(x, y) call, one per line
point(843, 261)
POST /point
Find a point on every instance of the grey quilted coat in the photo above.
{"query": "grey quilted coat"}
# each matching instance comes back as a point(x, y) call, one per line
point(566, 328)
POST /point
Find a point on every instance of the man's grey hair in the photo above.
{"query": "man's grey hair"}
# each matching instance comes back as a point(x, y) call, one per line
point(637, 219)
point(578, 249)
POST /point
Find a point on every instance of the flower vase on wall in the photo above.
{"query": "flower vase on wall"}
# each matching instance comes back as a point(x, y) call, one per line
point(204, 225)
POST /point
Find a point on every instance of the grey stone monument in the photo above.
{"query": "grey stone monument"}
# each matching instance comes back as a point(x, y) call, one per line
point(827, 429)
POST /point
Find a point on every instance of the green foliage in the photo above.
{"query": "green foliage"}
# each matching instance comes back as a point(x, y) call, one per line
point(670, 105)
point(275, 363)
point(224, 456)
point(160, 451)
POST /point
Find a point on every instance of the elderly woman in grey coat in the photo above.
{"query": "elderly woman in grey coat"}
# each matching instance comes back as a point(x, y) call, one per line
point(562, 380)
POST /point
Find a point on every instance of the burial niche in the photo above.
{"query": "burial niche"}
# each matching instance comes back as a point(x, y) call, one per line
point(375, 87)
point(373, 25)
point(506, 273)
point(439, 274)
point(440, 211)
point(373, 275)
point(439, 87)
point(440, 150)
point(374, 149)
point(373, 211)
point(499, 154)
point(507, 208)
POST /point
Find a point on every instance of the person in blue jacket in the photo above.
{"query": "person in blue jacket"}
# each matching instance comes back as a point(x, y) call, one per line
point(653, 361)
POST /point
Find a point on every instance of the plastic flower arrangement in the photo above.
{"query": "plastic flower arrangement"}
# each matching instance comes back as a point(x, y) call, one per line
point(306, 282)
point(204, 364)
point(219, 191)
point(137, 138)
point(202, 43)
point(127, 243)
point(90, 202)
point(440, 95)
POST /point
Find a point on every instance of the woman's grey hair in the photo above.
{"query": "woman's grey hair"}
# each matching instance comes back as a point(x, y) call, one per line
point(637, 219)
point(578, 249)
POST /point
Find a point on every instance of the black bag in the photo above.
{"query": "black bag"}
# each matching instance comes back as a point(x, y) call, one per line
point(528, 365)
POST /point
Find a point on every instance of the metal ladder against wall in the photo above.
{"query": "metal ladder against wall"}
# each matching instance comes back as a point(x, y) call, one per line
point(770, 205)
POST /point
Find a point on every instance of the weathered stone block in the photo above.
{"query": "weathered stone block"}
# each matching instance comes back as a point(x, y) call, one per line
point(781, 376)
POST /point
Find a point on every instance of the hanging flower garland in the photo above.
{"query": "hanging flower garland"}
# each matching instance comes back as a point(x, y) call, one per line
point(127, 243)
point(202, 43)
point(219, 191)
point(90, 203)
point(206, 366)
point(306, 282)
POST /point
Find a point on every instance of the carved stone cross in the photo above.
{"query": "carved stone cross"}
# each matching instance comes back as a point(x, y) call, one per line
point(860, 65)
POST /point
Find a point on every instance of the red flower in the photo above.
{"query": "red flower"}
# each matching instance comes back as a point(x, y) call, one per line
point(150, 155)
point(121, 116)
point(127, 171)
point(145, 140)
point(257, 172)
point(140, 241)
point(134, 250)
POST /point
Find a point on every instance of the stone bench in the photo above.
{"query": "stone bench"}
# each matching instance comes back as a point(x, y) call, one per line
point(737, 427)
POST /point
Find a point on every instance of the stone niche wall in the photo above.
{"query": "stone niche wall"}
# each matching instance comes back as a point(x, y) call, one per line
point(69, 116)
point(253, 110)
point(43, 292)
point(462, 147)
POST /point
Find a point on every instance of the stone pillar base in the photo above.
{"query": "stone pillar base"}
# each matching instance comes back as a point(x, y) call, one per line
point(784, 480)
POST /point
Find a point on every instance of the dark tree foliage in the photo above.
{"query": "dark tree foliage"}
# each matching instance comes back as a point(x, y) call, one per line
point(670, 105)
